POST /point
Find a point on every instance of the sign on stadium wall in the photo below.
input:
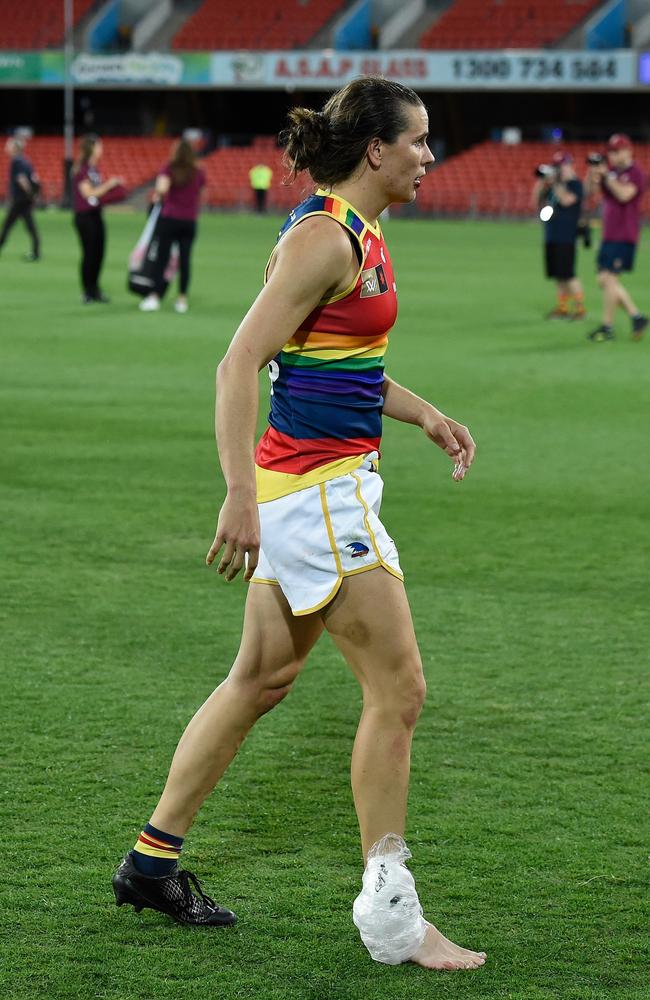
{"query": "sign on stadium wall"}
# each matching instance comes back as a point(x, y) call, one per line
point(133, 69)
point(325, 70)
point(515, 70)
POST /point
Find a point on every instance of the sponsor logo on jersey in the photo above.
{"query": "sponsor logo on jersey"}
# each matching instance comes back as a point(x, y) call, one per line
point(358, 549)
point(373, 282)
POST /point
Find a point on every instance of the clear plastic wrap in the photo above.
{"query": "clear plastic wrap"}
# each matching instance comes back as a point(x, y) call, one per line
point(387, 911)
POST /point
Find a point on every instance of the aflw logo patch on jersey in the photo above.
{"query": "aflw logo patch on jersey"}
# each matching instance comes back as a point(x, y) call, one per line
point(373, 282)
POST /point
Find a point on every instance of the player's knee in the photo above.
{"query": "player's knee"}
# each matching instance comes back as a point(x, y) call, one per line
point(275, 687)
point(262, 685)
point(403, 694)
point(270, 697)
point(413, 696)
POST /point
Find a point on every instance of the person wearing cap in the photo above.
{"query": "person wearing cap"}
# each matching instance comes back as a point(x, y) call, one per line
point(621, 184)
point(560, 194)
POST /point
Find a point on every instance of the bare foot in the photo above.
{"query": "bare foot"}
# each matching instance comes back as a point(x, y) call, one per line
point(438, 952)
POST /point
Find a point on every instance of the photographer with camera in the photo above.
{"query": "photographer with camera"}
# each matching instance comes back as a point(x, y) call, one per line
point(558, 194)
point(621, 184)
point(23, 188)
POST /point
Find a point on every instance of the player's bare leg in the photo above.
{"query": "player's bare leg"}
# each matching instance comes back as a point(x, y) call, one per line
point(273, 649)
point(370, 621)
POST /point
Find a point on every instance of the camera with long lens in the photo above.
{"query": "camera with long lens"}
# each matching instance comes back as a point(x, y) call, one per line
point(546, 171)
point(595, 159)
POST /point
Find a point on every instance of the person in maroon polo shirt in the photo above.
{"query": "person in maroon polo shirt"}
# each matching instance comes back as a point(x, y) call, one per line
point(621, 184)
point(88, 190)
point(178, 186)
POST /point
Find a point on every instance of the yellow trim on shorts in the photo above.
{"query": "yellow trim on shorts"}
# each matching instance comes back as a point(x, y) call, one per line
point(380, 564)
point(335, 553)
point(317, 607)
point(341, 573)
point(336, 588)
point(366, 521)
point(362, 569)
point(330, 529)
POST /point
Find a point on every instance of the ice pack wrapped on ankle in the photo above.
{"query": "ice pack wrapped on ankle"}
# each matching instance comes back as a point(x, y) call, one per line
point(387, 911)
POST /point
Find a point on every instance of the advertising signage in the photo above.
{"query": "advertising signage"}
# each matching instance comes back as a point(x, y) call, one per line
point(514, 70)
point(326, 70)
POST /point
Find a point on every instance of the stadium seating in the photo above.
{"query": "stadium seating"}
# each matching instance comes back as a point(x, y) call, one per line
point(136, 160)
point(493, 179)
point(228, 185)
point(37, 24)
point(255, 24)
point(512, 24)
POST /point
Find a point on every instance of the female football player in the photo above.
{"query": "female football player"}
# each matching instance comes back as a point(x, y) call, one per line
point(300, 515)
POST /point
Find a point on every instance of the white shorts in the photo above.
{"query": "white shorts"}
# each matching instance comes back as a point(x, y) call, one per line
point(314, 538)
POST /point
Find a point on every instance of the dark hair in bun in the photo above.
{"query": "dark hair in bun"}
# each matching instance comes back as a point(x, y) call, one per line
point(331, 143)
point(87, 144)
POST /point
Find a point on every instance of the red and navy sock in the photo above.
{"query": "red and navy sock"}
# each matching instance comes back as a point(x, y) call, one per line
point(156, 852)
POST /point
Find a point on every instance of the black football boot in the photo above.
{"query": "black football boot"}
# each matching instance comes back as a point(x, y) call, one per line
point(179, 895)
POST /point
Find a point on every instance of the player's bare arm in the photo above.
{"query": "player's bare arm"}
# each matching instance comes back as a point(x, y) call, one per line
point(299, 280)
point(453, 438)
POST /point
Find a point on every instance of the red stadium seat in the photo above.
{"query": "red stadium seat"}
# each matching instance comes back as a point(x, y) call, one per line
point(490, 179)
point(38, 24)
point(256, 24)
point(494, 179)
point(227, 175)
point(136, 160)
point(498, 24)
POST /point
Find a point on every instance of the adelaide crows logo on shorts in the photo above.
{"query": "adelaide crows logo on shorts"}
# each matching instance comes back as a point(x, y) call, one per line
point(358, 549)
point(373, 282)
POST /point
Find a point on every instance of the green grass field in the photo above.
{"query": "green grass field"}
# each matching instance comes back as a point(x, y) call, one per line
point(529, 588)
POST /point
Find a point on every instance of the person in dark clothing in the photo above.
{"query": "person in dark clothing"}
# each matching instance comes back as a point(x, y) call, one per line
point(559, 195)
point(22, 188)
point(87, 191)
point(178, 186)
